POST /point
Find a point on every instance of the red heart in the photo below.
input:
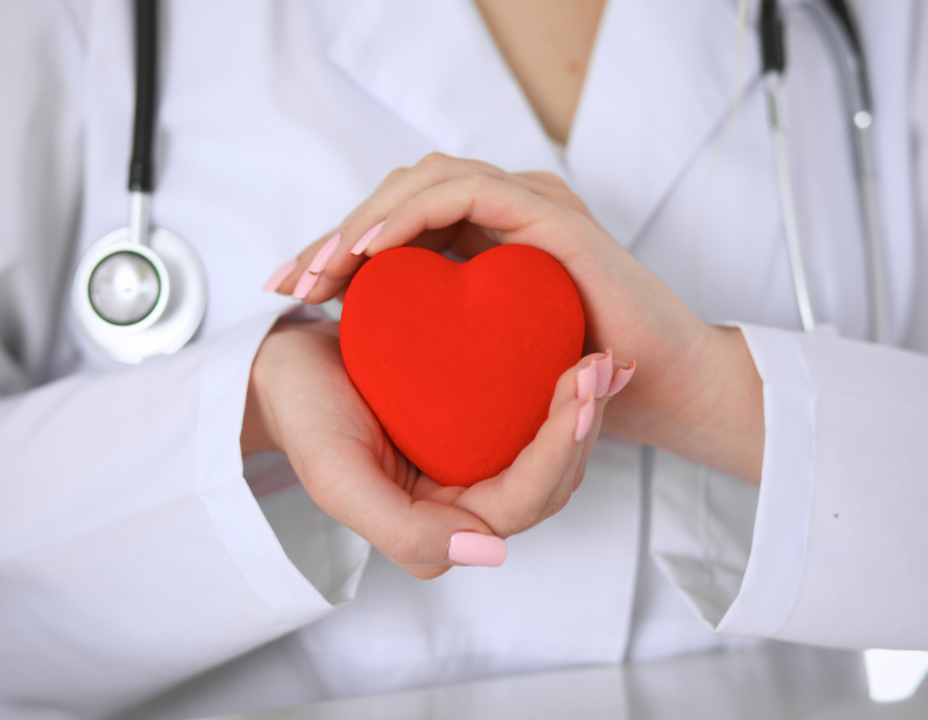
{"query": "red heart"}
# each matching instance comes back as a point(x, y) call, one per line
point(459, 361)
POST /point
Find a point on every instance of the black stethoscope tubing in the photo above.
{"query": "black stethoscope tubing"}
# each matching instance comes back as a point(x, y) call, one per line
point(773, 52)
point(141, 166)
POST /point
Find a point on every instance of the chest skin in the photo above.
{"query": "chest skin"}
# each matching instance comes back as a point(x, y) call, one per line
point(547, 45)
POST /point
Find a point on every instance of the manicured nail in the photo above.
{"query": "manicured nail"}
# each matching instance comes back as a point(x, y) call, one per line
point(322, 257)
point(603, 375)
point(622, 376)
point(586, 381)
point(280, 274)
point(473, 548)
point(307, 282)
point(584, 419)
point(367, 238)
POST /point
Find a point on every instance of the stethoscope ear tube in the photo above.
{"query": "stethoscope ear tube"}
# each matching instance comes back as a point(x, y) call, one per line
point(836, 26)
point(788, 200)
point(146, 79)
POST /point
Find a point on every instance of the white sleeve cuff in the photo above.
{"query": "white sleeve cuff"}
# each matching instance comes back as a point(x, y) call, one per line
point(771, 579)
point(837, 553)
point(735, 555)
point(247, 528)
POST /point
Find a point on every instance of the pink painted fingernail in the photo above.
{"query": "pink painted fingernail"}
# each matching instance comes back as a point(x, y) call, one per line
point(584, 419)
point(280, 274)
point(622, 376)
point(322, 257)
point(473, 548)
point(307, 282)
point(367, 238)
point(603, 375)
point(586, 381)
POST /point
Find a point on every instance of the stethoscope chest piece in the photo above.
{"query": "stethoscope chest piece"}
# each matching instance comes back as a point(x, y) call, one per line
point(140, 291)
point(135, 301)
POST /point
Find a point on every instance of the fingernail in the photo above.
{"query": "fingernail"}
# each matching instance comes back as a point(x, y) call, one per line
point(584, 419)
point(280, 274)
point(473, 548)
point(603, 375)
point(307, 282)
point(367, 238)
point(622, 376)
point(586, 381)
point(322, 257)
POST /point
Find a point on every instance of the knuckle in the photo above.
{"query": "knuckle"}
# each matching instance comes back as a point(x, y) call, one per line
point(396, 172)
point(551, 179)
point(575, 203)
point(559, 504)
point(429, 572)
point(434, 159)
point(404, 549)
point(475, 177)
point(516, 520)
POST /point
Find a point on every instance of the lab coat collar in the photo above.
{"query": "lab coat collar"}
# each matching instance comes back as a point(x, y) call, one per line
point(659, 89)
point(435, 66)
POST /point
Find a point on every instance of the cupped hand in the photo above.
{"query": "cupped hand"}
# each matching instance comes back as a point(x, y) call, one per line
point(301, 401)
point(696, 390)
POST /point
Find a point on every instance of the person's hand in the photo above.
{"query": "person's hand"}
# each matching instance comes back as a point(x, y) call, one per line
point(301, 401)
point(696, 391)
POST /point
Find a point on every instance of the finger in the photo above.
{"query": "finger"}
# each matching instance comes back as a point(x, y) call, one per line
point(297, 276)
point(514, 500)
point(557, 190)
point(322, 286)
point(323, 270)
point(360, 227)
point(509, 211)
point(614, 375)
point(593, 379)
point(347, 481)
point(339, 263)
point(366, 222)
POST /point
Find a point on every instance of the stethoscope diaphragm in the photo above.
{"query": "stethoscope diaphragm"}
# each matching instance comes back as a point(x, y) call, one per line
point(114, 286)
point(124, 287)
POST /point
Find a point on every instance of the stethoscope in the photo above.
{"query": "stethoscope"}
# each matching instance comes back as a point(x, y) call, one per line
point(834, 22)
point(140, 291)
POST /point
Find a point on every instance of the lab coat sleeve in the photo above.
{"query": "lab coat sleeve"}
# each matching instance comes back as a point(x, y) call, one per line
point(836, 555)
point(133, 554)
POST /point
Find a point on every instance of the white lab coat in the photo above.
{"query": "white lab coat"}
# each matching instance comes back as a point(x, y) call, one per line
point(133, 554)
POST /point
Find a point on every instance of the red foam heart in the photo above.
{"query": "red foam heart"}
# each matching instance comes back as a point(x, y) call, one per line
point(459, 361)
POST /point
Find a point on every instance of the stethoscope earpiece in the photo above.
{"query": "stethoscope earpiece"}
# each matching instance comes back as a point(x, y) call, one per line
point(140, 291)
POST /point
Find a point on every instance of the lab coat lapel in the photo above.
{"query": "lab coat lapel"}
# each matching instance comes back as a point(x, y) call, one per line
point(434, 65)
point(660, 84)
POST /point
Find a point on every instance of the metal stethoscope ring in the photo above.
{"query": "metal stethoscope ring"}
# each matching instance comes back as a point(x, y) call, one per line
point(136, 301)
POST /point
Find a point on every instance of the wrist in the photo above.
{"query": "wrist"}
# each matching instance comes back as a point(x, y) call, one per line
point(731, 437)
point(259, 432)
point(283, 355)
point(707, 406)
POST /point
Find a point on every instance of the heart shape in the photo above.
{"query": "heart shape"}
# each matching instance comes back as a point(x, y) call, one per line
point(458, 361)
